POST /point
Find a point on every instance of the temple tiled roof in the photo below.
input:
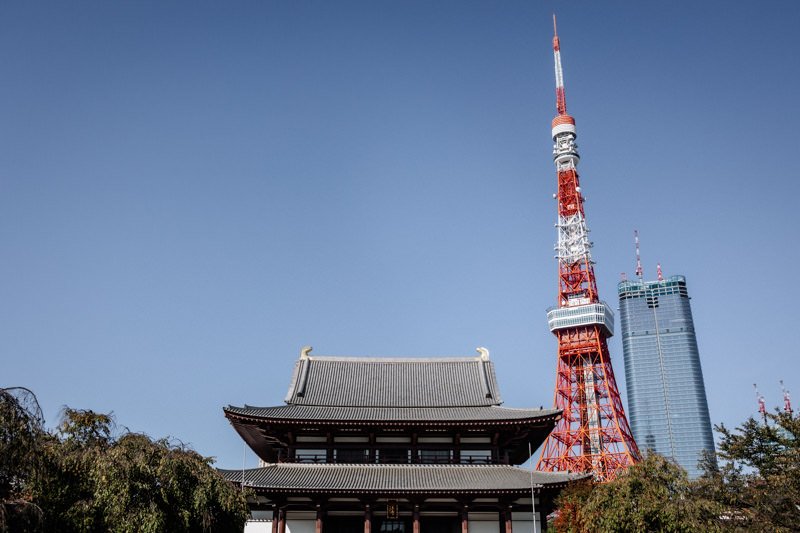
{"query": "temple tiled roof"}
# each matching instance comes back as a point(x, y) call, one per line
point(361, 478)
point(385, 414)
point(393, 382)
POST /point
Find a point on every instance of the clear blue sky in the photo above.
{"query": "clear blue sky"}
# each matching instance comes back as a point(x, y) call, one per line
point(192, 191)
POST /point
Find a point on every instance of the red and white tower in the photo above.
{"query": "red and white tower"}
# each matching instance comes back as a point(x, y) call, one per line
point(593, 435)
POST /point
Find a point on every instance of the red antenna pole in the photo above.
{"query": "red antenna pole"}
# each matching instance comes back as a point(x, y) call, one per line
point(787, 402)
point(762, 408)
point(593, 434)
point(561, 98)
point(638, 258)
point(658, 266)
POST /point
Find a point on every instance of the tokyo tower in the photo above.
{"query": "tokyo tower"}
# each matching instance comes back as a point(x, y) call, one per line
point(593, 434)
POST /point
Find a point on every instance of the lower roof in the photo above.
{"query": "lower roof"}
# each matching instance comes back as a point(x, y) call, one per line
point(392, 414)
point(396, 479)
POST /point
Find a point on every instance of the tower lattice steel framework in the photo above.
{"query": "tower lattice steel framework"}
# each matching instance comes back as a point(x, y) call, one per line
point(593, 435)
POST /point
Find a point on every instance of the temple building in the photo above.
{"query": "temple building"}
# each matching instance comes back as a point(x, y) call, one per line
point(400, 445)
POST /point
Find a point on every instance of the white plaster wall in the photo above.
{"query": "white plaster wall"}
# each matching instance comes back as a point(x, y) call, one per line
point(301, 526)
point(485, 527)
point(258, 526)
point(309, 526)
point(524, 526)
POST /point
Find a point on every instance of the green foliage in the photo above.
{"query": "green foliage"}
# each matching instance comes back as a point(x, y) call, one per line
point(653, 495)
point(758, 483)
point(21, 438)
point(86, 479)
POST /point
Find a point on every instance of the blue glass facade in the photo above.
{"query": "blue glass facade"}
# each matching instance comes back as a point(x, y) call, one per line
point(667, 405)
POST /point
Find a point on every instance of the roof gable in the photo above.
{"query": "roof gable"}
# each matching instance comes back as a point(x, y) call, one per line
point(393, 382)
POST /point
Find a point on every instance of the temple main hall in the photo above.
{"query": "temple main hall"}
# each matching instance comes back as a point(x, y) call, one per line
point(395, 445)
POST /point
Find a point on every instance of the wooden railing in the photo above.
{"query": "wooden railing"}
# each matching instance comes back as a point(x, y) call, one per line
point(355, 459)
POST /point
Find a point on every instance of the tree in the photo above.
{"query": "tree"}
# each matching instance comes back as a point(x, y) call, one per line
point(652, 495)
point(21, 437)
point(87, 478)
point(758, 482)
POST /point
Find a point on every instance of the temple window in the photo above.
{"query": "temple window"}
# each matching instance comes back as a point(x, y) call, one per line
point(345, 455)
point(436, 456)
point(310, 456)
point(481, 457)
point(392, 526)
point(396, 456)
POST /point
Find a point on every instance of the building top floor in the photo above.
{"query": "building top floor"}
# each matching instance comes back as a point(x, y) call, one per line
point(637, 289)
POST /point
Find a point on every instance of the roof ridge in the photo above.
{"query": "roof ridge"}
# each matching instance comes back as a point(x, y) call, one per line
point(392, 359)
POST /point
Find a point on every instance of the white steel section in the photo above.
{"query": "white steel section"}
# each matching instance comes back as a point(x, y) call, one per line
point(573, 239)
point(559, 73)
point(564, 128)
point(565, 150)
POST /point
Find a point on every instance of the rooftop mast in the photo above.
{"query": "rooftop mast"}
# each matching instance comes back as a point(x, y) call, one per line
point(787, 403)
point(638, 257)
point(762, 407)
point(593, 434)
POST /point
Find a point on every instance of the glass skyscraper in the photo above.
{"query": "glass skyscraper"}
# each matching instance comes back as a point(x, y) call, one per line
point(667, 405)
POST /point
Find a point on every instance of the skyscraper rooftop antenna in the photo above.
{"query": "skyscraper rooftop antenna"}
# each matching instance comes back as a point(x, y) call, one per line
point(638, 257)
point(787, 402)
point(660, 276)
point(762, 408)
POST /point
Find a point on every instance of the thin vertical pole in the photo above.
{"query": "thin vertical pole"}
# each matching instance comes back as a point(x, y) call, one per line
point(244, 459)
point(533, 493)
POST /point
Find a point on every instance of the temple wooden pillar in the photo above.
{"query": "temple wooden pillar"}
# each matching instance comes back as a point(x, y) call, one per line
point(275, 519)
point(464, 520)
point(319, 519)
point(507, 520)
point(416, 519)
point(282, 521)
point(367, 519)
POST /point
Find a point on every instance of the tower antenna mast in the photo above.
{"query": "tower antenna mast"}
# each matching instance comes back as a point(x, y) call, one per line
point(593, 434)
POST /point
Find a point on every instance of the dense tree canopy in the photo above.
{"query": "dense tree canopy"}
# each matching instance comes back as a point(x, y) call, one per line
point(87, 478)
point(756, 487)
point(652, 495)
point(759, 480)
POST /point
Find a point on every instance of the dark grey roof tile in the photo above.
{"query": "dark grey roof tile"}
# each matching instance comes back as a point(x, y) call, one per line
point(394, 382)
point(401, 478)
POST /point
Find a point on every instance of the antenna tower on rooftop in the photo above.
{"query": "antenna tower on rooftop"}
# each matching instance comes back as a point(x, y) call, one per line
point(787, 402)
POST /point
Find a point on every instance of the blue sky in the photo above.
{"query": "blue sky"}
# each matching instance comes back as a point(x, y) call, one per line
point(190, 192)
